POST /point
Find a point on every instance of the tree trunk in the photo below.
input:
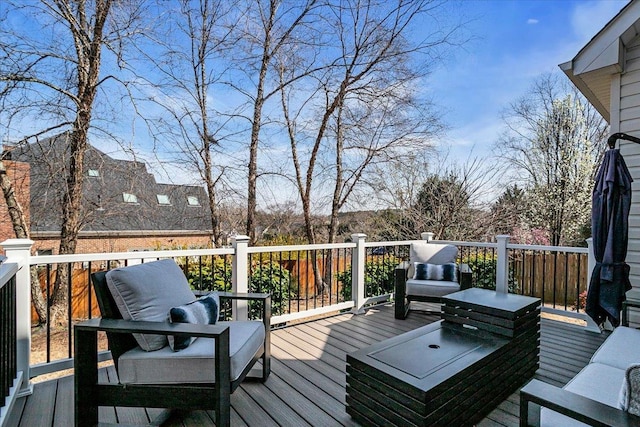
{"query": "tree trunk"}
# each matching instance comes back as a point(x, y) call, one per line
point(88, 39)
point(255, 126)
point(70, 219)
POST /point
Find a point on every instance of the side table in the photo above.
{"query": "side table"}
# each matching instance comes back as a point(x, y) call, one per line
point(514, 317)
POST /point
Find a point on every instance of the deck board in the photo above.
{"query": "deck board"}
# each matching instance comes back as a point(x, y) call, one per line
point(307, 383)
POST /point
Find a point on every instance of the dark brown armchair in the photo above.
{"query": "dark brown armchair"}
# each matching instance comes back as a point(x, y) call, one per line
point(202, 376)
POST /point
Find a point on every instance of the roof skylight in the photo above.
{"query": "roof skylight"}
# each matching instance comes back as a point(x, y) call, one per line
point(129, 198)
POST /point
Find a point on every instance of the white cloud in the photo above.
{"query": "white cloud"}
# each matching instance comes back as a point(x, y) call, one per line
point(532, 21)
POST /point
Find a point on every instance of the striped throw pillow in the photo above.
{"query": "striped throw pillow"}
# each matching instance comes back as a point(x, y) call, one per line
point(446, 272)
point(203, 311)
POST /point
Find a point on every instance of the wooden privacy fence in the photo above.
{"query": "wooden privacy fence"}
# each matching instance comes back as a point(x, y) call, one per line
point(558, 278)
point(79, 297)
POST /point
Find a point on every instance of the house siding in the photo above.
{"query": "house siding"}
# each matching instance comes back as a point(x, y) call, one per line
point(626, 108)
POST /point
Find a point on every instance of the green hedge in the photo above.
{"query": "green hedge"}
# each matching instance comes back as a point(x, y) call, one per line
point(378, 279)
point(484, 268)
point(265, 277)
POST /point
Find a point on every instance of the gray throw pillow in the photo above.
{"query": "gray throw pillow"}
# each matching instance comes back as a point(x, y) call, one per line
point(203, 311)
point(147, 292)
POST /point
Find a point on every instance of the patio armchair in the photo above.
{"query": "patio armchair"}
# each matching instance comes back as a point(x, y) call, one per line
point(166, 351)
point(430, 274)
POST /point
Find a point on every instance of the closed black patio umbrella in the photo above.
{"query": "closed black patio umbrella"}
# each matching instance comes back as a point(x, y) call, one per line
point(610, 231)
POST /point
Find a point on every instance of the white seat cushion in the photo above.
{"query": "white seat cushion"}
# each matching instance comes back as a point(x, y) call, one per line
point(194, 364)
point(621, 349)
point(431, 288)
point(596, 381)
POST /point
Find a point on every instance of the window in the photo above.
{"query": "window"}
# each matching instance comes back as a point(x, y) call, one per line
point(193, 201)
point(129, 198)
point(44, 252)
point(93, 172)
point(163, 199)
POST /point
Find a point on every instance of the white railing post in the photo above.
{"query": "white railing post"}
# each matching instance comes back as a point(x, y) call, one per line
point(19, 251)
point(502, 265)
point(240, 275)
point(428, 236)
point(591, 260)
point(358, 260)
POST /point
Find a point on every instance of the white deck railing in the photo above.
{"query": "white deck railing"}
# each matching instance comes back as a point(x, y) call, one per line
point(359, 256)
point(12, 364)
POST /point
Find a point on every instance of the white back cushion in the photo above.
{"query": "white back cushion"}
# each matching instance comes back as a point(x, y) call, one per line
point(147, 292)
point(432, 253)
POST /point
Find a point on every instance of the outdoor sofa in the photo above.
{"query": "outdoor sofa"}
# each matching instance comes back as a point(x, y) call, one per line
point(597, 394)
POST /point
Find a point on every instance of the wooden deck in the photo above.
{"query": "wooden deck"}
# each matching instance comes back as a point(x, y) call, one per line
point(307, 382)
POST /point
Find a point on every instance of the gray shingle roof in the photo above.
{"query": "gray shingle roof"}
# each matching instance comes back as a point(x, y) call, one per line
point(104, 208)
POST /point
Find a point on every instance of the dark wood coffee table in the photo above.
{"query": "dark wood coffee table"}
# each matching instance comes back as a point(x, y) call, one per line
point(453, 372)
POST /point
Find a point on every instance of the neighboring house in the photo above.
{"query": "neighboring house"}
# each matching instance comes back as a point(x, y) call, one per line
point(123, 209)
point(607, 72)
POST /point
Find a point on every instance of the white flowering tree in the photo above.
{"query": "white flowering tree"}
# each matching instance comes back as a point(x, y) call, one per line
point(555, 140)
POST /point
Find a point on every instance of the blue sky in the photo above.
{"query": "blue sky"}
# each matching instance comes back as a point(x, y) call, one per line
point(515, 41)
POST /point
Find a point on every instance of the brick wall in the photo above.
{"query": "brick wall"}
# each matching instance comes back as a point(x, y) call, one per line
point(18, 173)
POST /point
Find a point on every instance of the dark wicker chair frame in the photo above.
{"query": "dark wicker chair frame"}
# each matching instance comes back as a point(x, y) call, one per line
point(90, 394)
point(538, 394)
point(403, 301)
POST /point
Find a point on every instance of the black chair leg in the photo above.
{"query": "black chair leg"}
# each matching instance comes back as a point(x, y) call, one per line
point(86, 378)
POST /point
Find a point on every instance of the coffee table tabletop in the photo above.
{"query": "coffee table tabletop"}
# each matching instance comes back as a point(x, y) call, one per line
point(425, 357)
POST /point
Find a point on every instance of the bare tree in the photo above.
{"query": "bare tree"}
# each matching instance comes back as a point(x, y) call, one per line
point(188, 62)
point(52, 76)
point(433, 193)
point(554, 139)
point(271, 26)
point(365, 100)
